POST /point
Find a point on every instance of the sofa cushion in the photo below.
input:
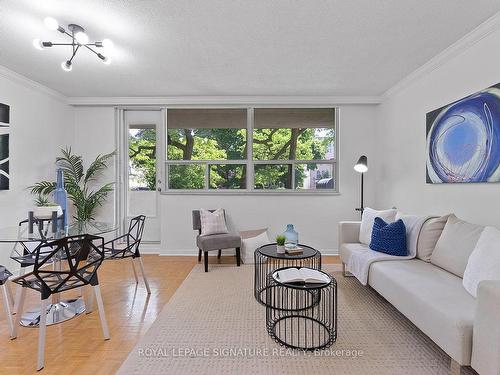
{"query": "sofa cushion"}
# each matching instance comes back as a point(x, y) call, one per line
point(433, 299)
point(346, 249)
point(389, 238)
point(484, 262)
point(218, 241)
point(369, 215)
point(429, 236)
point(455, 245)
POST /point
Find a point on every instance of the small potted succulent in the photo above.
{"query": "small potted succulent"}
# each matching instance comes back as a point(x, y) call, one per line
point(280, 244)
point(44, 208)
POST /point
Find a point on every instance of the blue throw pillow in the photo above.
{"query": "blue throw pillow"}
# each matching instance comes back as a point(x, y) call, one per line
point(389, 238)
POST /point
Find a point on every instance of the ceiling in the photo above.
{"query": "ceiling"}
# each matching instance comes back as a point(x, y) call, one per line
point(236, 47)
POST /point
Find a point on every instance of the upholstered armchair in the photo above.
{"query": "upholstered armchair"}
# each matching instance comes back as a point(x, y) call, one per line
point(213, 242)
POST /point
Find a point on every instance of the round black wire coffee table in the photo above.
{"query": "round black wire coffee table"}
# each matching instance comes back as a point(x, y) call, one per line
point(307, 315)
point(267, 260)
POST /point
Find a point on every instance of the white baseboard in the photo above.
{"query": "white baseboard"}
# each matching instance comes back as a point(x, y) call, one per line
point(155, 249)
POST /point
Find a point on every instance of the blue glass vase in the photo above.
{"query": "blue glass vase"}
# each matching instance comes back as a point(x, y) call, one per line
point(61, 197)
point(291, 236)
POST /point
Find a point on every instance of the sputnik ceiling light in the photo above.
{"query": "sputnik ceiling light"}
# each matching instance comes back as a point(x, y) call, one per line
point(78, 40)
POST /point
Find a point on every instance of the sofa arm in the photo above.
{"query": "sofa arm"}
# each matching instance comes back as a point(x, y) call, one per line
point(486, 334)
point(348, 232)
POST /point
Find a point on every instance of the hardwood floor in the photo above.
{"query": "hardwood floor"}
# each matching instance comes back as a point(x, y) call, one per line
point(77, 346)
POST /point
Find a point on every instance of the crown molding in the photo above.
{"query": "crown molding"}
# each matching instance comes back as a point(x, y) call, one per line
point(26, 82)
point(222, 100)
point(489, 26)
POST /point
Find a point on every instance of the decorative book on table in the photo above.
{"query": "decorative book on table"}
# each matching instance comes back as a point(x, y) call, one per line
point(293, 249)
point(301, 275)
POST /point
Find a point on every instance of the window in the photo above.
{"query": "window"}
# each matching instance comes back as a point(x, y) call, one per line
point(276, 149)
point(294, 148)
point(142, 157)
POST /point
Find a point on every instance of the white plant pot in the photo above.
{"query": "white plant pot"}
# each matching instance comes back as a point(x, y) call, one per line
point(280, 249)
point(45, 212)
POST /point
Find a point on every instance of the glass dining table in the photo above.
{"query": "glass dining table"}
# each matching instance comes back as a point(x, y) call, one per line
point(59, 310)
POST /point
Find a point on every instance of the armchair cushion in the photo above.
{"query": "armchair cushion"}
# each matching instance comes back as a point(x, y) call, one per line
point(218, 241)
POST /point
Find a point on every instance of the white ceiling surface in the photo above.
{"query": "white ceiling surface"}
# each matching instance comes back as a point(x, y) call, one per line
point(235, 47)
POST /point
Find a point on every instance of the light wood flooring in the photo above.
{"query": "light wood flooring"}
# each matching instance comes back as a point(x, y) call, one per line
point(77, 346)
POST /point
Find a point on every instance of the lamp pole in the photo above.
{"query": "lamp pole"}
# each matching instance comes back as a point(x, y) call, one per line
point(362, 189)
point(361, 167)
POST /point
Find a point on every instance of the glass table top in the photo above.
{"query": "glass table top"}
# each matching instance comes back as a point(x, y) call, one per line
point(20, 233)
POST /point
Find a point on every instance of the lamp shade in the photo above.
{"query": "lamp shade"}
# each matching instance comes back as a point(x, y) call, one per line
point(362, 164)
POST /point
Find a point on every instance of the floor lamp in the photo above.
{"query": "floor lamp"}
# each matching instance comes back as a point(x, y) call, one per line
point(361, 167)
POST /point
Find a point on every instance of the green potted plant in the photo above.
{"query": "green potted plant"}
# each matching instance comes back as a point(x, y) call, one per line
point(44, 208)
point(280, 244)
point(80, 184)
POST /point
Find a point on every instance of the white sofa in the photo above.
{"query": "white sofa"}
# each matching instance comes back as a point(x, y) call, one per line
point(466, 328)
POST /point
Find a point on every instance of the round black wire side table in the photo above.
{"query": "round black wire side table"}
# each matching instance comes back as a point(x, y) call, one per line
point(307, 319)
point(267, 260)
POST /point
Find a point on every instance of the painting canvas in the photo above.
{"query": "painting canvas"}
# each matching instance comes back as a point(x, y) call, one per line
point(463, 139)
point(4, 146)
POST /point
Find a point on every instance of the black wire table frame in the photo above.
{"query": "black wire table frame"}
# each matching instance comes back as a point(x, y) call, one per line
point(307, 317)
point(267, 260)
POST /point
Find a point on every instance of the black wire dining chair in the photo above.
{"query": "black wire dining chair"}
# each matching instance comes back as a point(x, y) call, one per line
point(4, 277)
point(23, 251)
point(127, 246)
point(59, 266)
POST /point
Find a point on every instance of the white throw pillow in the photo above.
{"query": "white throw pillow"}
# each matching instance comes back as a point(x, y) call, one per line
point(484, 262)
point(455, 245)
point(369, 215)
point(249, 245)
point(212, 222)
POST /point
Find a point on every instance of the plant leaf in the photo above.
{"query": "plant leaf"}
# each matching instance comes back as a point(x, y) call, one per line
point(71, 164)
point(43, 188)
point(97, 166)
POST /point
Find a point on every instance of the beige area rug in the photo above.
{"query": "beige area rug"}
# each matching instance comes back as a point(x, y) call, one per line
point(213, 325)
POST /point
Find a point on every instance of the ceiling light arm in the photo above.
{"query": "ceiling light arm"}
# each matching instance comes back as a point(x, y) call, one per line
point(78, 39)
point(74, 53)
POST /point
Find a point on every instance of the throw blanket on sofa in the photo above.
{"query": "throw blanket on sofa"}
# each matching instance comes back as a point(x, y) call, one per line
point(359, 262)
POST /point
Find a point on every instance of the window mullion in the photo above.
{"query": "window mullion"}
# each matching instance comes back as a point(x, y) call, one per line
point(250, 169)
point(207, 176)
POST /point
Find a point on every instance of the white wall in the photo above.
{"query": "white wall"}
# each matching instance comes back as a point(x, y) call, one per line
point(315, 217)
point(94, 134)
point(401, 177)
point(40, 124)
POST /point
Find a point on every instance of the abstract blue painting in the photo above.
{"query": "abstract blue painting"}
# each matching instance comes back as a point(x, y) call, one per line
point(463, 139)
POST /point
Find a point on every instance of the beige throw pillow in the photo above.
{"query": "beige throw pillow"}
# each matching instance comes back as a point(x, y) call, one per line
point(456, 243)
point(212, 222)
point(369, 215)
point(429, 236)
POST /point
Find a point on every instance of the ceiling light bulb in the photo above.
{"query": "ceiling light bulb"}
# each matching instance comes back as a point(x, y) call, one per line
point(107, 43)
point(81, 37)
point(51, 23)
point(66, 66)
point(37, 43)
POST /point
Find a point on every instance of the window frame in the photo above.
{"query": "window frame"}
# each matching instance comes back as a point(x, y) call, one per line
point(249, 162)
